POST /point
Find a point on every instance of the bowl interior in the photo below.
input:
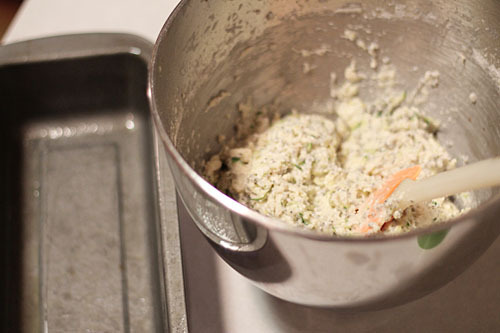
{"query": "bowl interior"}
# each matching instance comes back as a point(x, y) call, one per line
point(206, 70)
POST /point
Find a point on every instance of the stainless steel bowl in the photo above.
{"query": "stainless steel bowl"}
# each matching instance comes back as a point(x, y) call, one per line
point(211, 55)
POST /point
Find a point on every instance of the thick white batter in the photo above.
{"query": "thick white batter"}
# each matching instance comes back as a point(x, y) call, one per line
point(316, 171)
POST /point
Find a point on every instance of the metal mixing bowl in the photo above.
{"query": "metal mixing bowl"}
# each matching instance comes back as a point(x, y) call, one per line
point(211, 55)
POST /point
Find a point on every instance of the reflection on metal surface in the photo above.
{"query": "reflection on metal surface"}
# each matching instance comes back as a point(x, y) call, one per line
point(430, 241)
point(81, 227)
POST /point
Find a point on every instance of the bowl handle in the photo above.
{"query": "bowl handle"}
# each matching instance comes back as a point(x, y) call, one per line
point(216, 222)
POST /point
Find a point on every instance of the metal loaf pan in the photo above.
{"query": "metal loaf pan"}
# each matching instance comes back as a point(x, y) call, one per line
point(89, 237)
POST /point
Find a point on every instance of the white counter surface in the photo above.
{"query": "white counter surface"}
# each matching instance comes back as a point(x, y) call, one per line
point(219, 299)
point(42, 18)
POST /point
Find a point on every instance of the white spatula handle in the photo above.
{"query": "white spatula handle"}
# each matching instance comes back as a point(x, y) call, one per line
point(474, 176)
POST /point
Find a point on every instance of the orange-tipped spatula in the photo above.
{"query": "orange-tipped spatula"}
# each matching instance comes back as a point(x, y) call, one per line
point(404, 190)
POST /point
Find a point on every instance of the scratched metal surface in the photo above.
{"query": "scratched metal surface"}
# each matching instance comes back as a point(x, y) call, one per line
point(89, 239)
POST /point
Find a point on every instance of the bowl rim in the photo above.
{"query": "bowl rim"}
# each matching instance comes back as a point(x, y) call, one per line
point(271, 223)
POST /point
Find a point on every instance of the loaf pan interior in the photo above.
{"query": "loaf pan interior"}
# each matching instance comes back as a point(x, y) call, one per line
point(78, 247)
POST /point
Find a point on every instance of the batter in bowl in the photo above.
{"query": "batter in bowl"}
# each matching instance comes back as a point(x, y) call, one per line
point(315, 171)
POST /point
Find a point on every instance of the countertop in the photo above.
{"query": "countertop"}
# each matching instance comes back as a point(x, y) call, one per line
point(42, 18)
